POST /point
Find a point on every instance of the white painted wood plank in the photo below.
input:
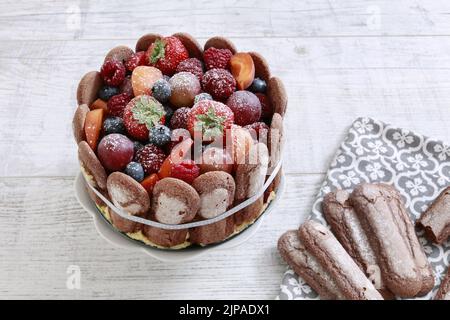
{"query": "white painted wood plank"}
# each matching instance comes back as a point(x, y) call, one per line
point(330, 82)
point(43, 230)
point(116, 20)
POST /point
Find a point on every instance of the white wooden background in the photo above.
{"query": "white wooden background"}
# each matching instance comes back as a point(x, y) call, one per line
point(339, 59)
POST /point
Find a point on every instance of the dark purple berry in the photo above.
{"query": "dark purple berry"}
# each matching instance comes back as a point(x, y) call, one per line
point(258, 86)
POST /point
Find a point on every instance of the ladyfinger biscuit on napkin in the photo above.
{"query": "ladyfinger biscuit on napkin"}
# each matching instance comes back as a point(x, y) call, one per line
point(398, 267)
point(436, 219)
point(306, 266)
point(444, 289)
point(350, 280)
point(345, 225)
point(409, 234)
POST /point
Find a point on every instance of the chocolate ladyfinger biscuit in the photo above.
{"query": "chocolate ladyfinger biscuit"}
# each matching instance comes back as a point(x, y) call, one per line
point(350, 280)
point(78, 123)
point(444, 289)
point(277, 95)
point(306, 266)
point(128, 194)
point(216, 190)
point(220, 43)
point(346, 227)
point(398, 266)
point(119, 53)
point(262, 69)
point(146, 40)
point(192, 45)
point(409, 234)
point(436, 219)
point(276, 139)
point(91, 165)
point(88, 88)
point(164, 238)
point(250, 176)
point(174, 201)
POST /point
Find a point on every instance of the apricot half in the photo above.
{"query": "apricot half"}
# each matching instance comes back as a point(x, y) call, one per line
point(243, 69)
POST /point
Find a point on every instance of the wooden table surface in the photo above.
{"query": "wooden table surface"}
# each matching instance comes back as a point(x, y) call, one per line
point(339, 59)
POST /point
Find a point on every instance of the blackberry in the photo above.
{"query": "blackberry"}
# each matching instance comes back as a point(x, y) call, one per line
point(258, 86)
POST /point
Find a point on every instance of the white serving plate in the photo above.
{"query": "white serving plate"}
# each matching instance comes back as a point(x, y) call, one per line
point(116, 238)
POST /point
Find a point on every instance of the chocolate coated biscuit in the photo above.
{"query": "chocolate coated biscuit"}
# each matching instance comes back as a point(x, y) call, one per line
point(88, 88)
point(350, 280)
point(92, 165)
point(436, 219)
point(220, 43)
point(192, 45)
point(306, 266)
point(383, 228)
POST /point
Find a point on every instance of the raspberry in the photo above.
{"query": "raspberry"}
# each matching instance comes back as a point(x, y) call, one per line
point(151, 158)
point(193, 66)
point(113, 72)
point(179, 118)
point(261, 130)
point(219, 83)
point(217, 58)
point(136, 59)
point(266, 106)
point(116, 105)
point(186, 170)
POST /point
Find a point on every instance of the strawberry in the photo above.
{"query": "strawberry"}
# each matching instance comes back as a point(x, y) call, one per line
point(166, 53)
point(141, 114)
point(211, 117)
point(93, 126)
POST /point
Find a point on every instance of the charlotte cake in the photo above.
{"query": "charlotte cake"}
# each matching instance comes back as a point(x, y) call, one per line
point(135, 126)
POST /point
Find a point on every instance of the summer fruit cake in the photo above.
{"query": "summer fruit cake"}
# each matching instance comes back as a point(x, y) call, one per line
point(174, 132)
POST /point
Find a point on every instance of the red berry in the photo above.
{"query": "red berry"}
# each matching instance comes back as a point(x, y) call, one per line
point(141, 114)
point(135, 60)
point(211, 117)
point(179, 118)
point(217, 58)
point(166, 53)
point(193, 66)
point(116, 105)
point(151, 158)
point(258, 130)
point(246, 107)
point(219, 83)
point(177, 136)
point(186, 170)
point(115, 151)
point(266, 106)
point(113, 72)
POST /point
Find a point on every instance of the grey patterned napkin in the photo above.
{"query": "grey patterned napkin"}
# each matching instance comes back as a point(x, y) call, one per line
point(373, 151)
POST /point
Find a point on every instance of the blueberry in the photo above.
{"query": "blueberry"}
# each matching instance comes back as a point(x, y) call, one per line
point(160, 135)
point(113, 125)
point(202, 96)
point(258, 85)
point(161, 90)
point(135, 170)
point(105, 93)
point(169, 113)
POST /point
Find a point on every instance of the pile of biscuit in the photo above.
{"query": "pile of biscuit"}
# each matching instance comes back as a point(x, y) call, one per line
point(372, 251)
point(171, 200)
